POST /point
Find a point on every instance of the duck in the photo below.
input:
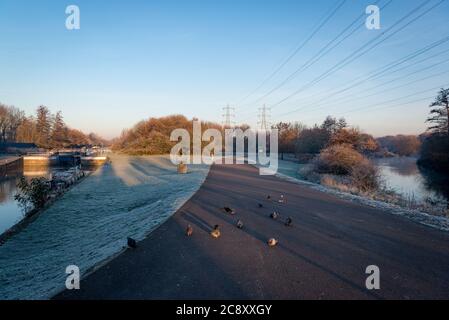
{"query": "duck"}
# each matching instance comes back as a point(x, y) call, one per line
point(229, 210)
point(215, 233)
point(281, 200)
point(260, 205)
point(272, 242)
point(132, 243)
point(189, 231)
point(240, 224)
point(274, 215)
point(268, 197)
point(288, 222)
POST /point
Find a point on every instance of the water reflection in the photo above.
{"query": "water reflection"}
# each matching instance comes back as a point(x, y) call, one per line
point(405, 177)
point(10, 211)
point(404, 166)
point(438, 183)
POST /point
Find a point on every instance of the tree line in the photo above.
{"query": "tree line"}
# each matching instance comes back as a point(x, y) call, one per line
point(152, 136)
point(435, 147)
point(307, 142)
point(44, 129)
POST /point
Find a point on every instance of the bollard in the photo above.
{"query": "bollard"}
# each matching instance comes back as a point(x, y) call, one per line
point(182, 168)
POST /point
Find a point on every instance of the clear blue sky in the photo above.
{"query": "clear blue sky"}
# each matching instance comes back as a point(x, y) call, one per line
point(132, 60)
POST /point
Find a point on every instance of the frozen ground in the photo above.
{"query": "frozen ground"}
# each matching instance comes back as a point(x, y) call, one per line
point(289, 171)
point(90, 224)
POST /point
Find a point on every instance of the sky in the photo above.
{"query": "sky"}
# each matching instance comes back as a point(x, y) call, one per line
point(132, 60)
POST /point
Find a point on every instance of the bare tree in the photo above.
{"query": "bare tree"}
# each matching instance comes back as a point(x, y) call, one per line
point(10, 119)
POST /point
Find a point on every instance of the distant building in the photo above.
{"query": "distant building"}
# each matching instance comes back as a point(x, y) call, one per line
point(18, 147)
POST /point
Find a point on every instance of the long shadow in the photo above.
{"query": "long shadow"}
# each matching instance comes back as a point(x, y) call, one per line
point(263, 239)
point(197, 221)
point(145, 171)
point(333, 273)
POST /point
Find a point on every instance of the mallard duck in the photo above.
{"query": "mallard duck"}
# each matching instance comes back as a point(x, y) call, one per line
point(288, 222)
point(229, 210)
point(274, 215)
point(132, 243)
point(189, 231)
point(216, 232)
point(272, 242)
point(240, 224)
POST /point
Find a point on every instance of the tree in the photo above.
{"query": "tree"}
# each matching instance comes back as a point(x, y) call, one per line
point(439, 114)
point(76, 137)
point(26, 132)
point(10, 119)
point(3, 121)
point(435, 154)
point(43, 126)
point(332, 125)
point(435, 148)
point(153, 135)
point(59, 133)
point(312, 141)
point(362, 142)
point(288, 136)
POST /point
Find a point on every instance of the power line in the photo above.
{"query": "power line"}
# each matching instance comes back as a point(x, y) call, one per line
point(323, 52)
point(381, 105)
point(295, 52)
point(382, 72)
point(386, 107)
point(353, 56)
point(386, 90)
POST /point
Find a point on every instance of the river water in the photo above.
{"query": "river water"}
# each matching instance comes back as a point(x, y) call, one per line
point(400, 174)
point(403, 175)
point(91, 222)
point(10, 211)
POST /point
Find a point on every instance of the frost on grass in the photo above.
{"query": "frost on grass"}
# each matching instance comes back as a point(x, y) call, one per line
point(91, 223)
point(438, 222)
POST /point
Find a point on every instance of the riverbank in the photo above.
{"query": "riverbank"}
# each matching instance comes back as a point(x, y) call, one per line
point(90, 224)
point(34, 213)
point(322, 256)
point(403, 189)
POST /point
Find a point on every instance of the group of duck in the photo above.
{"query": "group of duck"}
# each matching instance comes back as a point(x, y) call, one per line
point(272, 242)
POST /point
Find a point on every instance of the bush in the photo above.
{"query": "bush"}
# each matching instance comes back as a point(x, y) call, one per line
point(365, 176)
point(34, 193)
point(338, 159)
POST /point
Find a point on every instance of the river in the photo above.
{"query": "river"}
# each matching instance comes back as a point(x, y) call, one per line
point(403, 175)
point(91, 222)
point(10, 211)
point(400, 174)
